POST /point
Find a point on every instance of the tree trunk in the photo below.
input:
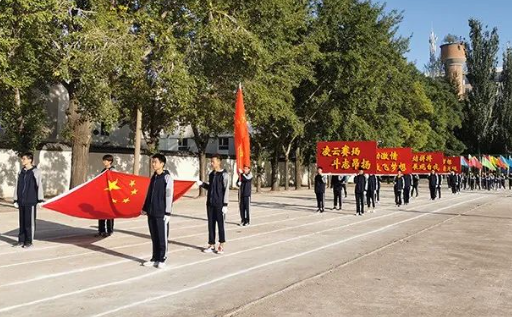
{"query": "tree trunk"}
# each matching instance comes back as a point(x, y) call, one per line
point(286, 176)
point(138, 132)
point(298, 168)
point(275, 171)
point(202, 170)
point(80, 143)
point(259, 172)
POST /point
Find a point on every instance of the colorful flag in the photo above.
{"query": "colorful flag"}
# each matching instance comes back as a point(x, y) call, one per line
point(487, 163)
point(109, 195)
point(463, 161)
point(504, 162)
point(242, 140)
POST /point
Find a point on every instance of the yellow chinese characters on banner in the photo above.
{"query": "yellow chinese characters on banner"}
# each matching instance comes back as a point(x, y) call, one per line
point(425, 162)
point(391, 160)
point(346, 157)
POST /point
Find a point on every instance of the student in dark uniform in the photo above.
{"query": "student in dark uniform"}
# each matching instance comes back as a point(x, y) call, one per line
point(407, 188)
point(453, 182)
point(106, 226)
point(337, 187)
point(464, 181)
point(438, 185)
point(472, 181)
point(459, 182)
point(398, 186)
point(320, 181)
point(415, 184)
point(27, 194)
point(371, 192)
point(478, 181)
point(244, 195)
point(158, 207)
point(360, 187)
point(510, 179)
point(344, 181)
point(432, 184)
point(217, 200)
point(377, 191)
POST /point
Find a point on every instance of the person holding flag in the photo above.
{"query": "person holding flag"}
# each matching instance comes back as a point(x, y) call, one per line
point(106, 226)
point(244, 195)
point(28, 193)
point(158, 207)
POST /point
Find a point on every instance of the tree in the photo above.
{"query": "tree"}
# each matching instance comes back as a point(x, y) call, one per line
point(502, 136)
point(25, 29)
point(480, 105)
point(156, 81)
point(89, 45)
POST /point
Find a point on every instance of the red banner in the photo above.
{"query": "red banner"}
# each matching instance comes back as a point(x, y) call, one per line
point(390, 160)
point(451, 163)
point(424, 162)
point(345, 157)
point(109, 195)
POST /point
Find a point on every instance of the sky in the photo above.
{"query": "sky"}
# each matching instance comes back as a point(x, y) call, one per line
point(448, 17)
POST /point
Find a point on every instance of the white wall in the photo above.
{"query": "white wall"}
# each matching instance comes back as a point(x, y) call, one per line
point(55, 168)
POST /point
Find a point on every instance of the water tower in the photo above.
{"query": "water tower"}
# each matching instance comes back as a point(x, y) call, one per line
point(453, 56)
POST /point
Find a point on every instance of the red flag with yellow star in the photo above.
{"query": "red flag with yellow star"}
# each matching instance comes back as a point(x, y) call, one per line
point(109, 195)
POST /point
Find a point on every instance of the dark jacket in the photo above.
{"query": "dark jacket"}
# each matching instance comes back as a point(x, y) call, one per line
point(439, 180)
point(160, 194)
point(372, 183)
point(398, 183)
point(360, 184)
point(407, 181)
point(432, 180)
point(336, 183)
point(415, 179)
point(453, 180)
point(218, 189)
point(245, 184)
point(29, 187)
point(320, 181)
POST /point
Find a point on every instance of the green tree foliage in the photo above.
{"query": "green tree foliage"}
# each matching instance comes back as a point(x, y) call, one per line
point(480, 107)
point(25, 28)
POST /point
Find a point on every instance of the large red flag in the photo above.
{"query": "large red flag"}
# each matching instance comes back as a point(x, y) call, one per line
point(109, 195)
point(242, 141)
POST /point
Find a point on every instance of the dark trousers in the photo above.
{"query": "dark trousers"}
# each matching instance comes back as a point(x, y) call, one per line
point(432, 192)
point(244, 209)
point(454, 189)
point(360, 203)
point(510, 184)
point(370, 198)
point(320, 200)
point(27, 222)
point(407, 193)
point(344, 187)
point(414, 188)
point(159, 231)
point(337, 198)
point(106, 226)
point(215, 218)
point(377, 194)
point(398, 197)
point(438, 189)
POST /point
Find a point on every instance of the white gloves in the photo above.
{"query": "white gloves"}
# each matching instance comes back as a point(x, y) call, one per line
point(199, 182)
point(167, 218)
point(142, 212)
point(238, 183)
point(15, 205)
point(240, 171)
point(224, 209)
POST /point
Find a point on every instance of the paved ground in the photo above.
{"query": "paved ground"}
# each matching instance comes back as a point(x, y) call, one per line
point(450, 257)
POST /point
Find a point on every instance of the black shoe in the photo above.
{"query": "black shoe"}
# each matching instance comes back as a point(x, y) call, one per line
point(321, 211)
point(16, 245)
point(318, 210)
point(28, 245)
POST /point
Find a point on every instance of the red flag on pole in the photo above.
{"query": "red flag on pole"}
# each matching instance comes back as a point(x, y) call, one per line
point(242, 141)
point(109, 195)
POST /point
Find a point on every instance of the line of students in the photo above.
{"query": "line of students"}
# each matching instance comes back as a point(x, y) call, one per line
point(157, 206)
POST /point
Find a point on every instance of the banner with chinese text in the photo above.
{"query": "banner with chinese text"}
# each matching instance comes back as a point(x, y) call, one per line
point(390, 160)
point(345, 157)
point(452, 163)
point(424, 162)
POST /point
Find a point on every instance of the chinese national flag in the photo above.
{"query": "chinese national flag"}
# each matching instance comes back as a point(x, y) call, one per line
point(242, 145)
point(109, 195)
